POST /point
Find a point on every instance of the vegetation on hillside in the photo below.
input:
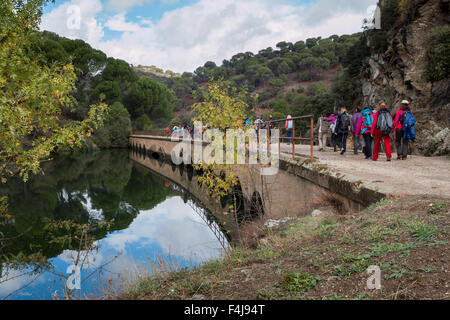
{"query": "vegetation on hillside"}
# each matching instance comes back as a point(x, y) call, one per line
point(99, 77)
point(266, 75)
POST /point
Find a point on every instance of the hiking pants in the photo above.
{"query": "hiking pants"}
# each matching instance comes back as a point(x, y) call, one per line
point(343, 141)
point(387, 144)
point(401, 144)
point(368, 141)
point(323, 136)
point(289, 135)
point(357, 143)
point(334, 140)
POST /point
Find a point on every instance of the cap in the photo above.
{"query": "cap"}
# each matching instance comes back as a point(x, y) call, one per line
point(405, 102)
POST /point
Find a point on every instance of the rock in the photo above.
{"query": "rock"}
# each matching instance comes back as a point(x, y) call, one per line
point(316, 214)
point(272, 224)
point(333, 278)
point(198, 297)
point(436, 141)
point(247, 273)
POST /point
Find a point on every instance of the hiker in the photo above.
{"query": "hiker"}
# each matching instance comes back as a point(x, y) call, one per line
point(289, 126)
point(364, 128)
point(167, 131)
point(342, 129)
point(332, 120)
point(401, 144)
point(270, 126)
point(323, 128)
point(247, 123)
point(259, 124)
point(382, 128)
point(405, 130)
point(357, 140)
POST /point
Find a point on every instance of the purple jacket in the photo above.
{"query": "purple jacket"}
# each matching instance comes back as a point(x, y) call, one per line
point(355, 119)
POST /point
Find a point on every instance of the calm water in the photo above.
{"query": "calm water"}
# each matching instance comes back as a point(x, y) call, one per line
point(148, 218)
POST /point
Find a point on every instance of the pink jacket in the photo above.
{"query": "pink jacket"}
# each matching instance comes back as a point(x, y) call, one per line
point(332, 118)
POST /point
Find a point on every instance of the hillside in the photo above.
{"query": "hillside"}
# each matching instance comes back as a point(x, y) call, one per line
point(408, 58)
point(281, 80)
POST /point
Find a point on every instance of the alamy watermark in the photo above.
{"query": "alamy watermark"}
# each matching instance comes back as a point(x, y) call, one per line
point(373, 18)
point(73, 17)
point(74, 280)
point(374, 281)
point(207, 146)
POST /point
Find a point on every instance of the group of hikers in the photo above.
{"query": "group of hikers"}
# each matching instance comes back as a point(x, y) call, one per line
point(369, 128)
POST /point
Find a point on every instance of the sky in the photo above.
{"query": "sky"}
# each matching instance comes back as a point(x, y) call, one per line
point(183, 35)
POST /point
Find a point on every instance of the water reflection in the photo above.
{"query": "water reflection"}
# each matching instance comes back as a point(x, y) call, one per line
point(133, 215)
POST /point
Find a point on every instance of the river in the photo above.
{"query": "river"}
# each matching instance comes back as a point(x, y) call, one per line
point(105, 215)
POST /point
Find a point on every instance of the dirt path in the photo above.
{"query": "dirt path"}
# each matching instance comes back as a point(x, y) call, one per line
point(416, 176)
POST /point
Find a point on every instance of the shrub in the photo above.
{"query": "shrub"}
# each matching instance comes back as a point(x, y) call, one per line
point(304, 76)
point(143, 123)
point(116, 128)
point(438, 54)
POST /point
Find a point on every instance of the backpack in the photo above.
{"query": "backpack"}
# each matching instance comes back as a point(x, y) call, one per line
point(289, 124)
point(385, 122)
point(367, 120)
point(409, 126)
point(344, 122)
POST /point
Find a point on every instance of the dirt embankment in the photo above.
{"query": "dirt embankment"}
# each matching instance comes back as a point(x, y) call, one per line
point(326, 256)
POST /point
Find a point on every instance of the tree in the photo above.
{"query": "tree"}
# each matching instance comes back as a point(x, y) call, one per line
point(299, 46)
point(316, 89)
point(143, 123)
point(110, 91)
point(116, 129)
point(222, 111)
point(146, 96)
point(33, 97)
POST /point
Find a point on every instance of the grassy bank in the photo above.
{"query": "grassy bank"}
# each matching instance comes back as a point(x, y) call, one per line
point(327, 258)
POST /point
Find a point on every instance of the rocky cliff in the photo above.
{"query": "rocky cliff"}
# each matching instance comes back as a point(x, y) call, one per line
point(398, 74)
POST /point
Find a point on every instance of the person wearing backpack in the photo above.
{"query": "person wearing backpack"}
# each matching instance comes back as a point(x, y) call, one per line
point(289, 125)
point(398, 127)
point(364, 128)
point(409, 129)
point(323, 128)
point(342, 129)
point(332, 120)
point(382, 129)
point(357, 141)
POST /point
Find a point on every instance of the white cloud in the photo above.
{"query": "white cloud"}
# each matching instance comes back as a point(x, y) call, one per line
point(187, 37)
point(118, 23)
point(122, 5)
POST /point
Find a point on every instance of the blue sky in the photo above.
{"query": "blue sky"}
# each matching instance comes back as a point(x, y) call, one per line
point(182, 35)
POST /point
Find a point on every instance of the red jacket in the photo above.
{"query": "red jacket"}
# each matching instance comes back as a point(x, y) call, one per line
point(398, 117)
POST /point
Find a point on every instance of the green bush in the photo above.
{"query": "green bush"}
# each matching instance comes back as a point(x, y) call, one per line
point(304, 76)
point(143, 123)
point(316, 89)
point(438, 54)
point(116, 128)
